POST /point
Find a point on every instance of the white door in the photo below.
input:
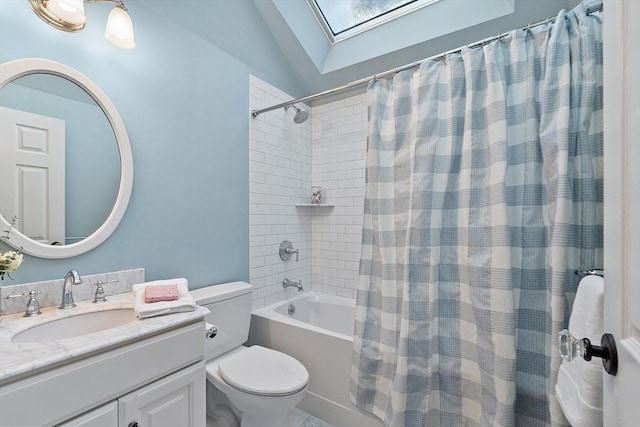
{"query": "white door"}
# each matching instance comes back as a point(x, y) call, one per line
point(32, 169)
point(622, 208)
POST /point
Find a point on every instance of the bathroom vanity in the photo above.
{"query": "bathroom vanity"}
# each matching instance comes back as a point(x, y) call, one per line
point(139, 373)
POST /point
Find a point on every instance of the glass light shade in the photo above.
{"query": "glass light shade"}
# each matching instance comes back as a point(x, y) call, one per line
point(70, 11)
point(120, 29)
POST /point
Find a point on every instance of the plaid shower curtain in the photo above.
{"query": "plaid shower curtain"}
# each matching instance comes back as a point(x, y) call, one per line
point(483, 195)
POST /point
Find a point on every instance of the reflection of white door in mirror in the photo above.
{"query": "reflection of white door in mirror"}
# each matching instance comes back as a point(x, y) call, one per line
point(33, 174)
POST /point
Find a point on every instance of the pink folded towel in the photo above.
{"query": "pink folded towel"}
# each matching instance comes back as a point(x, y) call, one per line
point(161, 293)
point(184, 303)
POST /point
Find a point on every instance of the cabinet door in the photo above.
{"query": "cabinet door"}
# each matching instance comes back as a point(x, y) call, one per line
point(177, 400)
point(104, 416)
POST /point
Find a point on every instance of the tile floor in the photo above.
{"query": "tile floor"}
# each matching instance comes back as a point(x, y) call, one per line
point(299, 418)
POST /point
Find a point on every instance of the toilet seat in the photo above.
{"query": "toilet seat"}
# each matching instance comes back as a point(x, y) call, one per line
point(263, 371)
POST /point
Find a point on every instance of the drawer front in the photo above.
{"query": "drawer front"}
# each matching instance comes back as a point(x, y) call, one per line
point(104, 416)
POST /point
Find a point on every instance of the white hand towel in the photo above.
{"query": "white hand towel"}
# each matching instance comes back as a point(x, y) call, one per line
point(579, 386)
point(184, 303)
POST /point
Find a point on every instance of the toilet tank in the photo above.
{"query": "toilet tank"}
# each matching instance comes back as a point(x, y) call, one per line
point(230, 307)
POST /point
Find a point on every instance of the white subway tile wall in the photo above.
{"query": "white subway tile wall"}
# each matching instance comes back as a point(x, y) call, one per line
point(279, 177)
point(338, 165)
point(285, 160)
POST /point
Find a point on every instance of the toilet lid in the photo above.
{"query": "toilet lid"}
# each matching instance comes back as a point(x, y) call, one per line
point(260, 370)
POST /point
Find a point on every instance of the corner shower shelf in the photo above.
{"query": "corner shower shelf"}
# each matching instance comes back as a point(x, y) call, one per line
point(313, 205)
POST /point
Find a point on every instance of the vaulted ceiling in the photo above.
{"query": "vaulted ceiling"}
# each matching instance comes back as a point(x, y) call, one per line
point(237, 26)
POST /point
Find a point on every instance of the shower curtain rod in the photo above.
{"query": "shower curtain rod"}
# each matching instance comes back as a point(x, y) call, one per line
point(255, 113)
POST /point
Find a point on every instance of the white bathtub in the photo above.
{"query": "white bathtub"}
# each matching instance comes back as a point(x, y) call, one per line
point(320, 335)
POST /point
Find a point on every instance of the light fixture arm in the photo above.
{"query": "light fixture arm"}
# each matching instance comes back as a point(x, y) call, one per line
point(118, 3)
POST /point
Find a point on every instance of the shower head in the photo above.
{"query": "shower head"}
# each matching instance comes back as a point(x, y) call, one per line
point(301, 115)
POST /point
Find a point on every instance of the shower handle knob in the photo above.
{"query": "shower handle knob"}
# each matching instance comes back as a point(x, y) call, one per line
point(133, 424)
point(286, 250)
point(571, 347)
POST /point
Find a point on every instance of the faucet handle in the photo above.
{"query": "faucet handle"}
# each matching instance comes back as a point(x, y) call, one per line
point(99, 295)
point(286, 250)
point(33, 306)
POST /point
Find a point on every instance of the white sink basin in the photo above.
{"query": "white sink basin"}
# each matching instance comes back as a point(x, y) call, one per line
point(74, 326)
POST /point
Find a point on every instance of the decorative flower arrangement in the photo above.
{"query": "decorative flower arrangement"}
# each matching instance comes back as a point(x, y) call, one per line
point(10, 260)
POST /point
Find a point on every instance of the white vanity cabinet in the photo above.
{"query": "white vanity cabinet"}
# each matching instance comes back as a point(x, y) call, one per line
point(174, 401)
point(156, 380)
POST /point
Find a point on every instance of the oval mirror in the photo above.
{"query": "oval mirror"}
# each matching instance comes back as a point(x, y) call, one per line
point(66, 165)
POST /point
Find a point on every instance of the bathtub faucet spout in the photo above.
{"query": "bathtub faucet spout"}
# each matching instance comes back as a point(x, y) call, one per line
point(286, 283)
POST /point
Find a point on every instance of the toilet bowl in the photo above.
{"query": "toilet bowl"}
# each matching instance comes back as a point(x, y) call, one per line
point(258, 385)
point(263, 384)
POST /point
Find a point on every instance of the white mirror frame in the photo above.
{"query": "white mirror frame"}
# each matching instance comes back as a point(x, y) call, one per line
point(12, 70)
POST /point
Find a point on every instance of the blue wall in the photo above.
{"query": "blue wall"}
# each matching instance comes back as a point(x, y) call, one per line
point(185, 104)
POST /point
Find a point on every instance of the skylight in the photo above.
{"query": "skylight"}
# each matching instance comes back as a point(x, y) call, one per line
point(343, 18)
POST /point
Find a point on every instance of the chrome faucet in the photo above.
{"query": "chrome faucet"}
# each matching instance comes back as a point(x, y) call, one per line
point(286, 283)
point(71, 278)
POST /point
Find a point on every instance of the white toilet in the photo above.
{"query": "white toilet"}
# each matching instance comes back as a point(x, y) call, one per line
point(261, 384)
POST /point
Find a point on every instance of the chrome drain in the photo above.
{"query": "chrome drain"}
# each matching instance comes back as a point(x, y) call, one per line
point(291, 309)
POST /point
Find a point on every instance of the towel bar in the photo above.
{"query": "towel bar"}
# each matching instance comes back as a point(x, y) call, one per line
point(592, 272)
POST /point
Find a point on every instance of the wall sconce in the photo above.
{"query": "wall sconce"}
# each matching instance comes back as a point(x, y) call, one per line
point(68, 15)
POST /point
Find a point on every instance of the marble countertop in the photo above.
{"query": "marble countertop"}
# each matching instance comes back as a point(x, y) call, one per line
point(20, 359)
